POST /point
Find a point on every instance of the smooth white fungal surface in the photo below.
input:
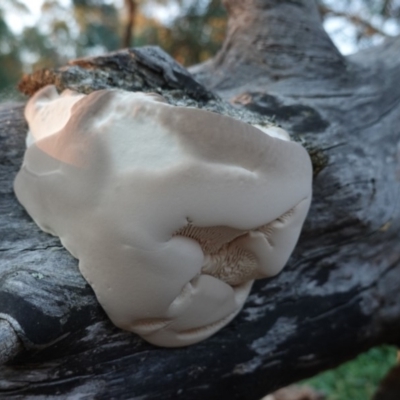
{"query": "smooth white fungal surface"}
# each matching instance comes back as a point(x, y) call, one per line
point(49, 113)
point(171, 211)
point(274, 131)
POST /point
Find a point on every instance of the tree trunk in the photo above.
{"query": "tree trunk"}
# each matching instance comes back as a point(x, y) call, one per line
point(130, 8)
point(340, 292)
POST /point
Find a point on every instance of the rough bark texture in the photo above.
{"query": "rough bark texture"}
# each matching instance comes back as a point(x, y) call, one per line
point(143, 69)
point(339, 293)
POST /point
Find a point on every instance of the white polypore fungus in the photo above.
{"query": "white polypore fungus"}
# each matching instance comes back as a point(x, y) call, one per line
point(171, 211)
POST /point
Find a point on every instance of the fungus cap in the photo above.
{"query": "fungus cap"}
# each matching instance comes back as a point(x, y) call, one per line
point(173, 212)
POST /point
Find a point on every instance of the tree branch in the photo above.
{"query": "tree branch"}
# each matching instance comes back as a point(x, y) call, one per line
point(368, 28)
point(259, 40)
point(337, 296)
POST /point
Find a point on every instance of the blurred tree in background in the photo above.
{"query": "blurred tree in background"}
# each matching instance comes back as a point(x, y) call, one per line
point(189, 30)
point(192, 37)
point(358, 24)
point(97, 26)
point(10, 60)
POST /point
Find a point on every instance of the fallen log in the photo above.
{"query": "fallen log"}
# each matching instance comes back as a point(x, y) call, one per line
point(339, 293)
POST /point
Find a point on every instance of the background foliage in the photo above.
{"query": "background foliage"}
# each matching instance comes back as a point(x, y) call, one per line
point(190, 30)
point(357, 379)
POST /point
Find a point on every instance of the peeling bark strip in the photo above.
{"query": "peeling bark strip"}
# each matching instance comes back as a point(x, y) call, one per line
point(339, 293)
point(144, 69)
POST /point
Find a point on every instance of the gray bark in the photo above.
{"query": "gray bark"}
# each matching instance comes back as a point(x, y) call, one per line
point(339, 293)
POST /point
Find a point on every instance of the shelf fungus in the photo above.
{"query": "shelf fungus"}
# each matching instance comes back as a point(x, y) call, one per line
point(172, 212)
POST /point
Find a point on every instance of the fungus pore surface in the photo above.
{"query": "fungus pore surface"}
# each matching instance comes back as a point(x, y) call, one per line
point(172, 212)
